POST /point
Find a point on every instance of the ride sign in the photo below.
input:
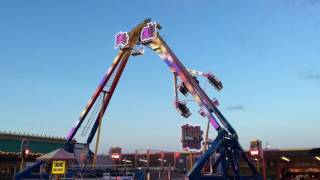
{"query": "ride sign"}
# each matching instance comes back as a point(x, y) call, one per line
point(121, 39)
point(149, 32)
point(58, 167)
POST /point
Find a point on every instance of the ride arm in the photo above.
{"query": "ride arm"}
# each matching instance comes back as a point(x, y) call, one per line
point(165, 53)
point(108, 96)
point(134, 37)
point(123, 56)
point(94, 97)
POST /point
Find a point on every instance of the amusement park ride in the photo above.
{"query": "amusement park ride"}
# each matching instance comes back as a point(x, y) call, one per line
point(226, 143)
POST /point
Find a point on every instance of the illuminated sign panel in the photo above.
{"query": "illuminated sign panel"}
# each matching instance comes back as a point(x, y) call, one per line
point(115, 156)
point(149, 32)
point(254, 152)
point(115, 153)
point(191, 136)
point(256, 148)
point(58, 167)
point(121, 39)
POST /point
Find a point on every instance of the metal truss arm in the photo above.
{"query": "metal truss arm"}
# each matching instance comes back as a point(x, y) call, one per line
point(123, 55)
point(94, 97)
point(109, 95)
point(160, 47)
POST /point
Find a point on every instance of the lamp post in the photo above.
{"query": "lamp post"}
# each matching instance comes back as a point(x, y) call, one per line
point(125, 165)
point(147, 165)
point(24, 152)
point(263, 165)
point(257, 154)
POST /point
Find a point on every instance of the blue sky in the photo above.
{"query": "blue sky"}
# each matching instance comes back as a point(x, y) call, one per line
point(53, 55)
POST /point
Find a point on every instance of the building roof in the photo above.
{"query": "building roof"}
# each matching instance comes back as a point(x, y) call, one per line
point(11, 142)
point(58, 154)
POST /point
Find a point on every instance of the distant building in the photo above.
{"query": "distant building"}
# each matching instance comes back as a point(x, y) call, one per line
point(289, 163)
point(279, 163)
point(103, 160)
point(10, 150)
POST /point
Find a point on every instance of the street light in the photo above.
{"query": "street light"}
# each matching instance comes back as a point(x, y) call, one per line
point(127, 161)
point(143, 160)
point(125, 164)
point(285, 159)
point(26, 152)
point(317, 158)
point(161, 160)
